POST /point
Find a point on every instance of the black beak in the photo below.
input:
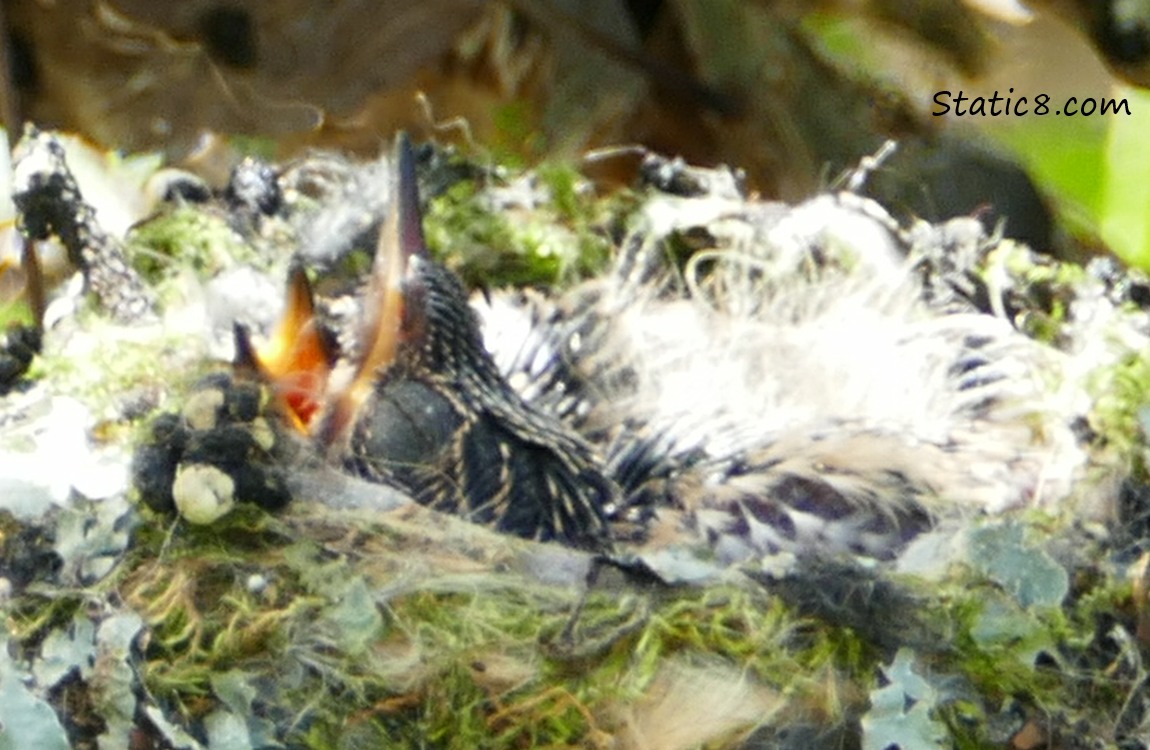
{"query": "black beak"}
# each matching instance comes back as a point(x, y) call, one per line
point(393, 312)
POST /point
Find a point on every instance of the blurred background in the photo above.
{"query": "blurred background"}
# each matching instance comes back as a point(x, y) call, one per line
point(791, 92)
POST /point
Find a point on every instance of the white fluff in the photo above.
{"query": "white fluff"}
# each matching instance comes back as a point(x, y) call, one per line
point(803, 346)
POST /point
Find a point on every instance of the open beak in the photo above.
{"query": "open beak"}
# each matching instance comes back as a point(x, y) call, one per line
point(298, 358)
point(391, 312)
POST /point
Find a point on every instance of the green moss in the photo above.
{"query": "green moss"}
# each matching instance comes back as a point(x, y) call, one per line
point(589, 216)
point(563, 183)
point(32, 617)
point(498, 663)
point(999, 670)
point(562, 239)
point(340, 648)
point(1119, 416)
point(186, 237)
point(1048, 661)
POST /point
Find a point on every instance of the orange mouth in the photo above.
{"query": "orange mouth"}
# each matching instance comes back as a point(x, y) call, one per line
point(298, 359)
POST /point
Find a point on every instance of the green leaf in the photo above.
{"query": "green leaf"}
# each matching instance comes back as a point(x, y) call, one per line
point(1124, 221)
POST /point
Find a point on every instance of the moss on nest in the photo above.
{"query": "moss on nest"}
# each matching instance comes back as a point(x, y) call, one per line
point(322, 620)
point(350, 644)
point(186, 237)
point(556, 231)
